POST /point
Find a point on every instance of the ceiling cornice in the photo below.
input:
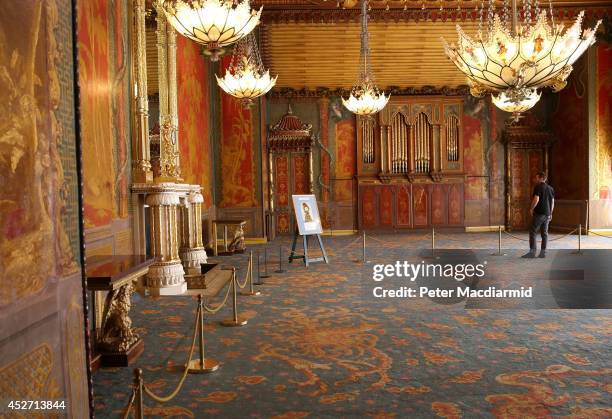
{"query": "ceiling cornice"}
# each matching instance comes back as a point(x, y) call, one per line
point(286, 92)
point(270, 16)
point(404, 4)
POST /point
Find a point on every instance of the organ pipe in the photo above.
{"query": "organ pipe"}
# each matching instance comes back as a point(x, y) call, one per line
point(452, 138)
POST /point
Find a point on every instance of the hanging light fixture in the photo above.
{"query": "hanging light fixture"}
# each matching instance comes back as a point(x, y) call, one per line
point(246, 78)
point(516, 101)
point(513, 61)
point(213, 23)
point(365, 98)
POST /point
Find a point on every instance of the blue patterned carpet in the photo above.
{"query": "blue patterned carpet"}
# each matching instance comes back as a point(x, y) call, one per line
point(319, 345)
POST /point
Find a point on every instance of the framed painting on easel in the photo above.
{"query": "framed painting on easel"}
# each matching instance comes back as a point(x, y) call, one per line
point(309, 224)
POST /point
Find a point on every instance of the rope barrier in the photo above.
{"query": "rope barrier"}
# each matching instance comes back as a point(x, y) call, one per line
point(514, 237)
point(130, 404)
point(164, 399)
point(246, 276)
point(562, 237)
point(446, 237)
point(348, 245)
point(220, 306)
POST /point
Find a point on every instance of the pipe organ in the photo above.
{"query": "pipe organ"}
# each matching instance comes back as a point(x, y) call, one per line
point(410, 165)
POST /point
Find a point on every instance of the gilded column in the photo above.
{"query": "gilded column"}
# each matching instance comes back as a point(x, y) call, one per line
point(173, 92)
point(192, 251)
point(383, 150)
point(271, 181)
point(168, 118)
point(141, 153)
point(310, 171)
point(166, 276)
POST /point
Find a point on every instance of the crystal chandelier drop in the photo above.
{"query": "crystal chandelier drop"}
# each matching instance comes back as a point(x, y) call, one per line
point(513, 60)
point(213, 23)
point(365, 98)
point(246, 78)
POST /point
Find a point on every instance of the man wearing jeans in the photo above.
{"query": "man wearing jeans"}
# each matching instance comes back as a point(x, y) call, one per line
point(542, 206)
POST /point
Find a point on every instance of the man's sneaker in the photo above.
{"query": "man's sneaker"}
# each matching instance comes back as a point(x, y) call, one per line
point(529, 255)
point(542, 254)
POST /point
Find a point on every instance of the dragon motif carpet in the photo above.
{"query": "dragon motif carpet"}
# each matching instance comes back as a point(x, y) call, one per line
point(318, 345)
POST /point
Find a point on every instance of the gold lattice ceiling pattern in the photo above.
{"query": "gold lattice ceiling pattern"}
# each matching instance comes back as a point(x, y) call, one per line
point(405, 54)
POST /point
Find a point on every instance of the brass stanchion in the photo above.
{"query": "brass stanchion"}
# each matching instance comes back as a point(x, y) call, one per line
point(280, 261)
point(499, 240)
point(265, 274)
point(251, 290)
point(203, 364)
point(579, 251)
point(258, 270)
point(139, 401)
point(235, 321)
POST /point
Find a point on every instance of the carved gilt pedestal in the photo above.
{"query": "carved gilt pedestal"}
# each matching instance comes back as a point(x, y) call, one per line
point(166, 275)
point(192, 251)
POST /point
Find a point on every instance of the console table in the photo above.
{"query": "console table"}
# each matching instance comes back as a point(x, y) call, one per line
point(114, 342)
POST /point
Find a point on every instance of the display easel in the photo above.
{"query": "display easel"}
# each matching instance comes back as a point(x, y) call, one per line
point(307, 259)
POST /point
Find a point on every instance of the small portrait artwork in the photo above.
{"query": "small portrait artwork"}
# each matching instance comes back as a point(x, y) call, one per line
point(307, 214)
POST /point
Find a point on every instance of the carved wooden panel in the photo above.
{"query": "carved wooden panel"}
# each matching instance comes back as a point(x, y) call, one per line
point(386, 206)
point(420, 202)
point(407, 206)
point(404, 210)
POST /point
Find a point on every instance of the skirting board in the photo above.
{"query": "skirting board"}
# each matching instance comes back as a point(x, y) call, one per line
point(601, 231)
point(483, 229)
point(339, 232)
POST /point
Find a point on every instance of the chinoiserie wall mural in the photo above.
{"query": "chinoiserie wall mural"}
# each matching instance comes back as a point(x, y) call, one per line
point(193, 110)
point(105, 120)
point(569, 120)
point(41, 309)
point(602, 193)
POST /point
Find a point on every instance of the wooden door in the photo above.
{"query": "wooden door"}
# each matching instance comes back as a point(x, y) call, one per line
point(524, 164)
point(291, 174)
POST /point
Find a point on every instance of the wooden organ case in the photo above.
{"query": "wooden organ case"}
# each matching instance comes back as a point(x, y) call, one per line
point(410, 164)
point(290, 170)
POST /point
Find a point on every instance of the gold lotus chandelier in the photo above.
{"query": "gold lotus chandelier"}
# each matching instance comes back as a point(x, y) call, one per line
point(246, 78)
point(365, 98)
point(212, 23)
point(512, 61)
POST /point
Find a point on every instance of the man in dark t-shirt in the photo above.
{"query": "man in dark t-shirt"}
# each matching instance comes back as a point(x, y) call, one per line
point(542, 206)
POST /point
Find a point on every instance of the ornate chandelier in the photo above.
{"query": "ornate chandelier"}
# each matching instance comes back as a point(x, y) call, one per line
point(213, 23)
point(365, 98)
point(513, 61)
point(246, 78)
point(516, 101)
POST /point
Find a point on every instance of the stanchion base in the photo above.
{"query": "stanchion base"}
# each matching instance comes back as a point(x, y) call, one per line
point(280, 271)
point(210, 365)
point(264, 276)
point(232, 323)
point(577, 252)
point(498, 254)
point(249, 293)
point(363, 262)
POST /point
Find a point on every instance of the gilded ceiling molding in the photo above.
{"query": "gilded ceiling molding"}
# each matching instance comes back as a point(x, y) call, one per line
point(285, 16)
point(293, 94)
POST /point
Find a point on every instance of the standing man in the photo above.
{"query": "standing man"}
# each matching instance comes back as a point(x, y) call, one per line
point(542, 206)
